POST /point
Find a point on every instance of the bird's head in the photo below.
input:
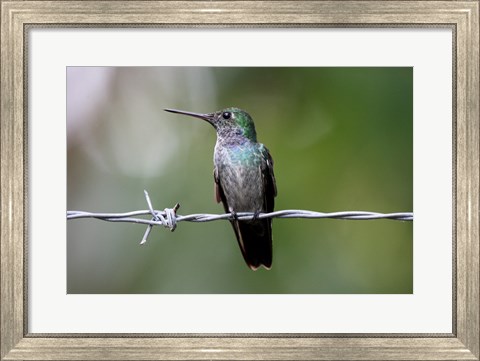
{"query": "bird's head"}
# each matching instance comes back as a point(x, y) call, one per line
point(229, 122)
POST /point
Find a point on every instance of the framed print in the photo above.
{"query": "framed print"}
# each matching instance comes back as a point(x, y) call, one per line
point(370, 105)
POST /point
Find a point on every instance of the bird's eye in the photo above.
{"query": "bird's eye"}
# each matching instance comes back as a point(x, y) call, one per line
point(226, 115)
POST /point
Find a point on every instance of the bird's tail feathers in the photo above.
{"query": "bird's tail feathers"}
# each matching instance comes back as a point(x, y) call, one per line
point(255, 241)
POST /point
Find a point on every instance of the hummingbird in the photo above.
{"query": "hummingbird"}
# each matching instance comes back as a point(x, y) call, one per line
point(244, 181)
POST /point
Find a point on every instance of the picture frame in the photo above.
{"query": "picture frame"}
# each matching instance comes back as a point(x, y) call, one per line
point(16, 341)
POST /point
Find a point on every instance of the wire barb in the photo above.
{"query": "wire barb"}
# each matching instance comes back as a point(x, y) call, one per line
point(169, 218)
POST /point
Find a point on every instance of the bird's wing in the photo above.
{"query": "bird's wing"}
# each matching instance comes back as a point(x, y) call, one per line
point(219, 194)
point(268, 177)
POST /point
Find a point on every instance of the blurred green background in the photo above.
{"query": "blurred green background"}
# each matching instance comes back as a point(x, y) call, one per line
point(341, 138)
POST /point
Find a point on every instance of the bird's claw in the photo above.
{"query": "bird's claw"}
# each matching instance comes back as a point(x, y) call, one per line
point(234, 215)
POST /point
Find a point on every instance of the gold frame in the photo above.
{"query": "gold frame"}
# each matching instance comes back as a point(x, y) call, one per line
point(18, 344)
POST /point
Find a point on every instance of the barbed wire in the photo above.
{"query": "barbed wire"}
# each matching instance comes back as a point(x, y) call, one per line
point(169, 217)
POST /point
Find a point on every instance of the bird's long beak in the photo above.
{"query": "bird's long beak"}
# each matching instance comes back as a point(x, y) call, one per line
point(208, 117)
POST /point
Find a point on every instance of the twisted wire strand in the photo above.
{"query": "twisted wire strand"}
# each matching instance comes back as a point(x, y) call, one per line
point(169, 217)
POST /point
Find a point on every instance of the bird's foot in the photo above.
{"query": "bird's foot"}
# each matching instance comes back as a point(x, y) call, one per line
point(234, 215)
point(255, 215)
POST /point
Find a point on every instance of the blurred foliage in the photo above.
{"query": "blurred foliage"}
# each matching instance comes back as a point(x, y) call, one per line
point(341, 139)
